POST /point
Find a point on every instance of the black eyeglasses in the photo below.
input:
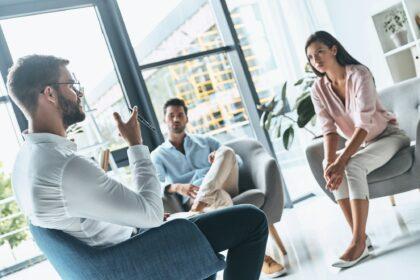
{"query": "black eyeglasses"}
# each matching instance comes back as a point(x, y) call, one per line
point(75, 85)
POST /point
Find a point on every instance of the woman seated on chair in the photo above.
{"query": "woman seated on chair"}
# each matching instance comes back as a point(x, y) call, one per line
point(345, 97)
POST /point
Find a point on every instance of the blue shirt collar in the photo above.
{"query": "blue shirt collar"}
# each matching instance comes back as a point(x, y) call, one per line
point(168, 145)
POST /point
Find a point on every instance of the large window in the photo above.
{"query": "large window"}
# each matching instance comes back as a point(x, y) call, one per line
point(77, 36)
point(272, 35)
point(210, 92)
point(206, 83)
point(15, 244)
point(165, 29)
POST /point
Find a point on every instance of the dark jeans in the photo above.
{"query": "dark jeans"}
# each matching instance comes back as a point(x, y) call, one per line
point(243, 231)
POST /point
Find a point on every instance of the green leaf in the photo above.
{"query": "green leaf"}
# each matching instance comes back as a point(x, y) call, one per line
point(302, 97)
point(313, 120)
point(280, 110)
point(305, 111)
point(263, 118)
point(277, 132)
point(283, 92)
point(271, 104)
point(267, 123)
point(299, 82)
point(288, 137)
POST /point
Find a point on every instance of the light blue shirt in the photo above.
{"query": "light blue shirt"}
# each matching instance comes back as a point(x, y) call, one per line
point(173, 167)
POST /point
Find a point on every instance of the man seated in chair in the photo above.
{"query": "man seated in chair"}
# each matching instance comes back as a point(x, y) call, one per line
point(197, 170)
point(59, 189)
point(196, 167)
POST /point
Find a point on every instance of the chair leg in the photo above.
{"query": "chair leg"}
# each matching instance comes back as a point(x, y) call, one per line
point(104, 162)
point(276, 237)
point(392, 199)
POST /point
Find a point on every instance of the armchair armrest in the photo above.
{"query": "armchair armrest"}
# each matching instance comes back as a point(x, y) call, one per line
point(315, 156)
point(266, 177)
point(417, 149)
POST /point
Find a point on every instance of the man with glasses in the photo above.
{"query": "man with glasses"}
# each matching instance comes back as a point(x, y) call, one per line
point(58, 189)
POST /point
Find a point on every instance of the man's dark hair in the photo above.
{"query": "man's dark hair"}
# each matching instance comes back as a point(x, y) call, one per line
point(29, 76)
point(175, 102)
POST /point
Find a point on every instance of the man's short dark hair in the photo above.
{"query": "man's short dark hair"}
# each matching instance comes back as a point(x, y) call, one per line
point(29, 76)
point(175, 102)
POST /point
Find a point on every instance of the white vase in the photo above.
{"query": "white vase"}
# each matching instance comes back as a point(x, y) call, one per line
point(399, 38)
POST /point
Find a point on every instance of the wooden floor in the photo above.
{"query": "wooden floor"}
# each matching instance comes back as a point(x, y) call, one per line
point(314, 233)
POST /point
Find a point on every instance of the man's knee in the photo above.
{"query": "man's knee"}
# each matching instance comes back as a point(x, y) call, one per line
point(253, 214)
point(227, 153)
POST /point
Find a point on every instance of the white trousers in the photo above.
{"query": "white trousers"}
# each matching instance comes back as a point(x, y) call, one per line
point(221, 181)
point(374, 155)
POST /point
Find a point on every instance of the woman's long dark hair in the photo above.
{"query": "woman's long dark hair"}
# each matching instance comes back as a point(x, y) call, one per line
point(343, 57)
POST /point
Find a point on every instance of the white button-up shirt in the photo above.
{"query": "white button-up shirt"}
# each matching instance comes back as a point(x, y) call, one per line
point(56, 188)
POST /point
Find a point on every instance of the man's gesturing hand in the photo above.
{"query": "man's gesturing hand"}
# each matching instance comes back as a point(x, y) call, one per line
point(129, 130)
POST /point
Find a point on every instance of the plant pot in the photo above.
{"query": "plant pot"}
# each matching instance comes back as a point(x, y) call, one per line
point(400, 38)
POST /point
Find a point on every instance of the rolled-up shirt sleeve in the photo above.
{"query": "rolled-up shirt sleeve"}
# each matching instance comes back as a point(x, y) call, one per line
point(365, 105)
point(323, 116)
point(90, 193)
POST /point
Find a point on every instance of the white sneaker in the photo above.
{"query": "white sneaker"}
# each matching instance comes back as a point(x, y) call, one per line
point(345, 264)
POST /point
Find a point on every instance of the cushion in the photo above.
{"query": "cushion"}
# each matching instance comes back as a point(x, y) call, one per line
point(254, 197)
point(399, 164)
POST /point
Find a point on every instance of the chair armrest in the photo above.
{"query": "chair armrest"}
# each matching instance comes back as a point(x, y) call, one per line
point(417, 149)
point(266, 176)
point(315, 156)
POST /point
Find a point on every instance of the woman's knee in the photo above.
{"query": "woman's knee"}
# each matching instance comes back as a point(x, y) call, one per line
point(355, 167)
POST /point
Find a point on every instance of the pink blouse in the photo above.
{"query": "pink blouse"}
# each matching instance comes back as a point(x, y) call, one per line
point(362, 107)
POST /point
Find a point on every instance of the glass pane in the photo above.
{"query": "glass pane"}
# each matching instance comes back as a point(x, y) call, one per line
point(210, 92)
point(273, 48)
point(164, 29)
point(77, 36)
point(13, 230)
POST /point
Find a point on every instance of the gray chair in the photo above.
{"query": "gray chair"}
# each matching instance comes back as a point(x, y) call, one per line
point(149, 255)
point(402, 172)
point(260, 184)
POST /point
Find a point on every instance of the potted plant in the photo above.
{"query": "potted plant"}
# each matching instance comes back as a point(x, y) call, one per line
point(395, 23)
point(276, 114)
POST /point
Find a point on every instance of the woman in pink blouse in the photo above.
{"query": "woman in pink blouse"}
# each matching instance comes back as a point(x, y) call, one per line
point(346, 102)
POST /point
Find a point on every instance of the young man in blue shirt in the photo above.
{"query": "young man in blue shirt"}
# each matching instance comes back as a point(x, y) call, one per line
point(198, 170)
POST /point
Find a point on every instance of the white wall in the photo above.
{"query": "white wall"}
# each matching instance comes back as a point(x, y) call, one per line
point(353, 26)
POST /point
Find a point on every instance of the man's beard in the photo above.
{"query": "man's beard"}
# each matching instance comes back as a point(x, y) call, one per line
point(71, 112)
point(178, 130)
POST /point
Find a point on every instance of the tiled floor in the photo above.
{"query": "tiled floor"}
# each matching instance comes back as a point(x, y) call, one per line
point(314, 233)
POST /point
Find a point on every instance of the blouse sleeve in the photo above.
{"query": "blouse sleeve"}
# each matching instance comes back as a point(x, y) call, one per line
point(365, 100)
point(327, 122)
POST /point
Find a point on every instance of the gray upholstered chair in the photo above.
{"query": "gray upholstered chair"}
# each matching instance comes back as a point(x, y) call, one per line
point(402, 172)
point(260, 184)
point(149, 255)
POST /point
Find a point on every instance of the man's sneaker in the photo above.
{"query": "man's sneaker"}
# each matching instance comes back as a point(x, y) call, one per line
point(272, 269)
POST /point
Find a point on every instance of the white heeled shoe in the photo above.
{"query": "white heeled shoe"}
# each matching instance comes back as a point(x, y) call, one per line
point(368, 243)
point(345, 264)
